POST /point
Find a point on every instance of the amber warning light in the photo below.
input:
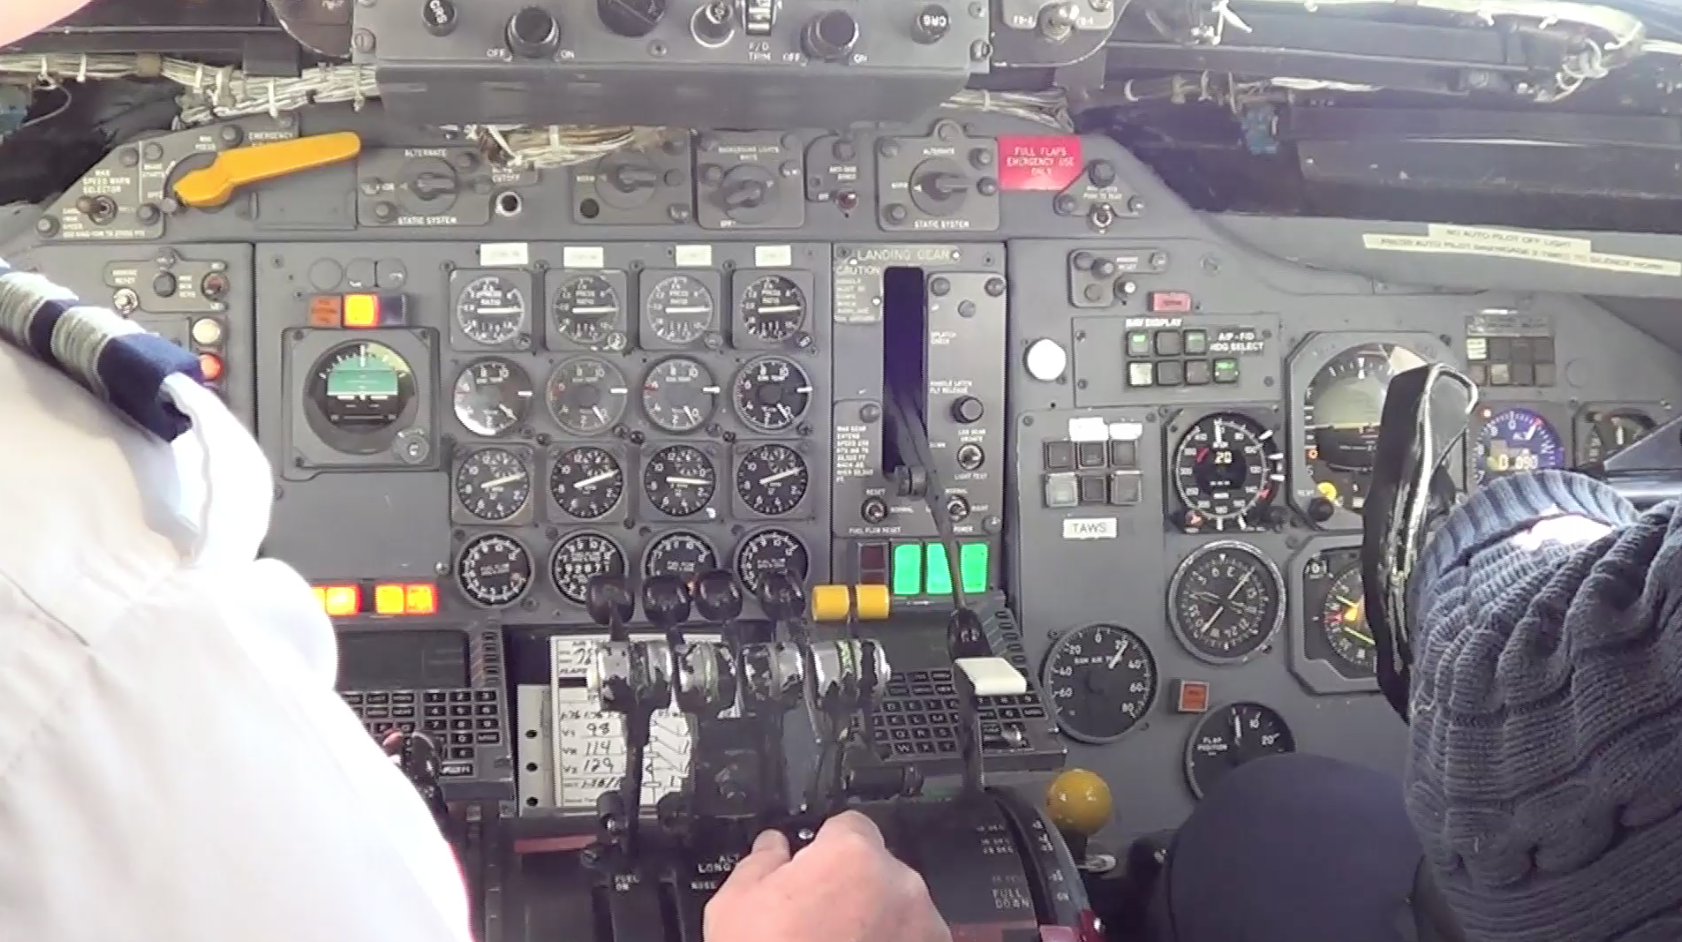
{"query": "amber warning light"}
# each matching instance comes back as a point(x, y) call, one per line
point(388, 598)
point(358, 311)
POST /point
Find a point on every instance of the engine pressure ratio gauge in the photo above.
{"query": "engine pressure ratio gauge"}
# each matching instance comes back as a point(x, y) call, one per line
point(1101, 679)
point(1226, 601)
point(1230, 736)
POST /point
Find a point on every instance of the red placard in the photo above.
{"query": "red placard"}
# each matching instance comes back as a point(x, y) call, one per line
point(1040, 162)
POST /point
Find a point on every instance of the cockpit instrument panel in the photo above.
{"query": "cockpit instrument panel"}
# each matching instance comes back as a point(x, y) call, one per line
point(479, 386)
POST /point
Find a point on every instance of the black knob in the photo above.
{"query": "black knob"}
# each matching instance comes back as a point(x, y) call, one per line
point(874, 510)
point(533, 33)
point(714, 23)
point(717, 597)
point(609, 601)
point(968, 410)
point(781, 596)
point(439, 17)
point(931, 25)
point(665, 601)
point(632, 19)
point(1320, 510)
point(164, 285)
point(830, 36)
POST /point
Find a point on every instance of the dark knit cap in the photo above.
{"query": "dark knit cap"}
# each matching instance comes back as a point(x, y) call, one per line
point(1545, 778)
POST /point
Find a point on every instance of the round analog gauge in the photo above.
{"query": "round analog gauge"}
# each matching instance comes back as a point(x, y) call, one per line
point(1341, 619)
point(1227, 467)
point(773, 308)
point(492, 396)
point(587, 482)
point(1230, 736)
point(491, 310)
point(493, 484)
point(772, 479)
point(1515, 440)
point(771, 393)
point(679, 395)
point(357, 390)
point(580, 558)
point(1611, 432)
point(587, 310)
point(587, 395)
point(1345, 403)
point(680, 480)
point(771, 551)
point(684, 555)
point(1101, 680)
point(681, 309)
point(494, 570)
point(1226, 601)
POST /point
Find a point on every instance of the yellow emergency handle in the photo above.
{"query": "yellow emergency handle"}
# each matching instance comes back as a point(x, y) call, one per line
point(212, 186)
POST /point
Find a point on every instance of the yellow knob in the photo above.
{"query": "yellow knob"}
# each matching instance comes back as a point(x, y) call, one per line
point(1079, 802)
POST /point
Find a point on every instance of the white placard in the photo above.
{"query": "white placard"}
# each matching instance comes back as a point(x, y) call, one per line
point(1089, 528)
point(583, 256)
point(1127, 431)
point(693, 256)
point(773, 256)
point(590, 752)
point(589, 745)
point(1090, 429)
point(504, 255)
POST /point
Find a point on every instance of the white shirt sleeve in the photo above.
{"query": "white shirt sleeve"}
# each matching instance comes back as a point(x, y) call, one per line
point(174, 762)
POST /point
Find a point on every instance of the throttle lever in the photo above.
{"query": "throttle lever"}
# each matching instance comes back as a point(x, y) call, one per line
point(633, 679)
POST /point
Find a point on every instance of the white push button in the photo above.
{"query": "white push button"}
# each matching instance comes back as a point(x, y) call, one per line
point(1047, 360)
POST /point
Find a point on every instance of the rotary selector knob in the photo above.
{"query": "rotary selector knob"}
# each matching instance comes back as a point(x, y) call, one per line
point(714, 23)
point(533, 33)
point(632, 19)
point(931, 25)
point(439, 17)
point(830, 36)
point(968, 410)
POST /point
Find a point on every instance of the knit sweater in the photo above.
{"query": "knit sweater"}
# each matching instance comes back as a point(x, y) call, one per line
point(1545, 775)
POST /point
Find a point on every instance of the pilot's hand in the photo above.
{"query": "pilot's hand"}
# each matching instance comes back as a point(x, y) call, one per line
point(844, 887)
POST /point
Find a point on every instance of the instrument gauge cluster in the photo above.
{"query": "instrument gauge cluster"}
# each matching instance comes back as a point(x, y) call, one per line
point(523, 417)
